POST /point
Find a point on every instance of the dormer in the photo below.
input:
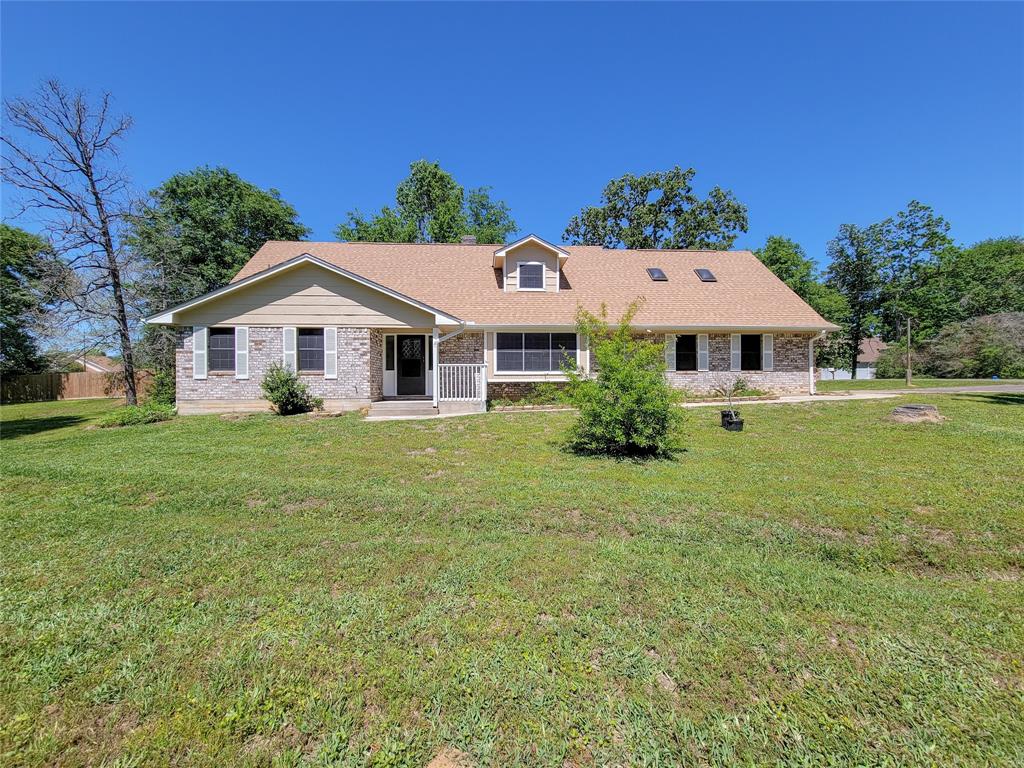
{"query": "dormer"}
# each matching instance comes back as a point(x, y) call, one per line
point(530, 264)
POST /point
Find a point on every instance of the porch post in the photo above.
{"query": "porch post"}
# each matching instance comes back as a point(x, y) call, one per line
point(437, 363)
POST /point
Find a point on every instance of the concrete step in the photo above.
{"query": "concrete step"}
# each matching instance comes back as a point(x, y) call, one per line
point(402, 408)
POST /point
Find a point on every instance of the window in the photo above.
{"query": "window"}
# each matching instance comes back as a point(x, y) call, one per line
point(686, 352)
point(535, 352)
point(750, 352)
point(311, 349)
point(531, 276)
point(706, 275)
point(389, 353)
point(221, 346)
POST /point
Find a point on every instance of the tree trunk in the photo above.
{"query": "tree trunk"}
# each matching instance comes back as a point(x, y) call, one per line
point(855, 350)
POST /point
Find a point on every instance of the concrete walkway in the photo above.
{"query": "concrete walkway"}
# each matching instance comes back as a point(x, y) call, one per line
point(998, 388)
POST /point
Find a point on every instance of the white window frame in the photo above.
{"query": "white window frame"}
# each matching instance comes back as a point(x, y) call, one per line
point(519, 275)
point(523, 373)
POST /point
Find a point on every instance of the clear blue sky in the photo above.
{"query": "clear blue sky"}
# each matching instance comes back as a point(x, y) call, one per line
point(812, 114)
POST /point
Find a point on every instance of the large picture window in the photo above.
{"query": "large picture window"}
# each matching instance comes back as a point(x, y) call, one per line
point(750, 352)
point(686, 352)
point(311, 350)
point(535, 352)
point(221, 349)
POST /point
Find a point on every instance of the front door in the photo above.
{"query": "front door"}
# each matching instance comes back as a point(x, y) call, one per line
point(412, 365)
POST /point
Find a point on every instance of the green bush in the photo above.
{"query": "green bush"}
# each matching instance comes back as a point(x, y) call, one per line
point(627, 409)
point(132, 415)
point(162, 389)
point(287, 393)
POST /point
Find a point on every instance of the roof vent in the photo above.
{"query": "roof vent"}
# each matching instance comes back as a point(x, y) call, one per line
point(656, 274)
point(706, 275)
point(469, 239)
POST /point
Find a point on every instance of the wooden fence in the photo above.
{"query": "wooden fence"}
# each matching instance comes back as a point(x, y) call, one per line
point(39, 387)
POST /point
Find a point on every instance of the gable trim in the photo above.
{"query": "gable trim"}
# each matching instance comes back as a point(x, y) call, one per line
point(501, 253)
point(166, 317)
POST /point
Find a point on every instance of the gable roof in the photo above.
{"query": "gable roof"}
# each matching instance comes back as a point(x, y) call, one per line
point(101, 363)
point(871, 349)
point(499, 255)
point(239, 281)
point(460, 280)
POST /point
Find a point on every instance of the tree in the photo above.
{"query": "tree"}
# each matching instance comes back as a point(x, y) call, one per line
point(205, 224)
point(26, 266)
point(909, 244)
point(854, 273)
point(789, 262)
point(431, 207)
point(64, 165)
point(984, 279)
point(659, 210)
point(196, 231)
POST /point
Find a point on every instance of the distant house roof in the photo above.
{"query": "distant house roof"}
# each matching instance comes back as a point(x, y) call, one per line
point(98, 364)
point(461, 280)
point(871, 349)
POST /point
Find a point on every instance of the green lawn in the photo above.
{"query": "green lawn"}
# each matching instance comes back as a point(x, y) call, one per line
point(918, 381)
point(825, 588)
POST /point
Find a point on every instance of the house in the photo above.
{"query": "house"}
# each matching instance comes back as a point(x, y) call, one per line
point(451, 325)
point(867, 361)
point(98, 364)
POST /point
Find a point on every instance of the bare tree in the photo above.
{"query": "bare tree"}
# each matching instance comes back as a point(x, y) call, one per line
point(64, 162)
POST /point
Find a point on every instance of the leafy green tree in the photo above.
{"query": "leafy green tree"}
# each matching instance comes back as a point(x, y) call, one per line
point(431, 207)
point(25, 261)
point(202, 226)
point(659, 210)
point(854, 273)
point(909, 243)
point(984, 279)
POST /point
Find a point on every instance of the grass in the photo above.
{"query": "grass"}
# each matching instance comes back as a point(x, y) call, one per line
point(824, 588)
point(918, 381)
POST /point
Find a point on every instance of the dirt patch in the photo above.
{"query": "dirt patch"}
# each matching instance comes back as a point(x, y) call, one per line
point(424, 452)
point(666, 683)
point(449, 757)
point(435, 475)
point(833, 534)
point(304, 505)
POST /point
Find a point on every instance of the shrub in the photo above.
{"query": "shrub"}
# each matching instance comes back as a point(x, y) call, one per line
point(628, 408)
point(287, 393)
point(132, 415)
point(162, 389)
point(992, 345)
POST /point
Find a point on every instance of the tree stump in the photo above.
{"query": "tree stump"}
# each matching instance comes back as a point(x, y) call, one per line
point(915, 413)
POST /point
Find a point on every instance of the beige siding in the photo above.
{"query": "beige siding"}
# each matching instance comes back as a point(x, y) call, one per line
point(531, 252)
point(307, 295)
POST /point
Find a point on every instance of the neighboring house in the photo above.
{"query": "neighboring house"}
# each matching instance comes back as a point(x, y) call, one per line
point(867, 360)
point(98, 364)
point(454, 324)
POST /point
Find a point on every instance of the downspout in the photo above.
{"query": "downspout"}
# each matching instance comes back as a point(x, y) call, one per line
point(810, 361)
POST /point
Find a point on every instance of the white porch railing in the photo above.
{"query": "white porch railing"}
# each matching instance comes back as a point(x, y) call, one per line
point(462, 381)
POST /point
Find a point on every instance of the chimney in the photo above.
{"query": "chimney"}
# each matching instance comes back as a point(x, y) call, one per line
point(469, 239)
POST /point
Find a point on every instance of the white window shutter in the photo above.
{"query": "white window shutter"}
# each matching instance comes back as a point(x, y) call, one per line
point(702, 352)
point(767, 352)
point(288, 346)
point(330, 353)
point(199, 352)
point(241, 353)
point(670, 351)
point(735, 345)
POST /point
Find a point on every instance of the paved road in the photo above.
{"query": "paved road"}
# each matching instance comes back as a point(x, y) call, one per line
point(999, 388)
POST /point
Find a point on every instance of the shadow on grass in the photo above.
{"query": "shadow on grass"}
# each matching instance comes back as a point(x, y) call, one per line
point(10, 430)
point(995, 398)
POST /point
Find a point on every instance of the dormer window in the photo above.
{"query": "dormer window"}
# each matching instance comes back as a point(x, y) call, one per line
point(531, 276)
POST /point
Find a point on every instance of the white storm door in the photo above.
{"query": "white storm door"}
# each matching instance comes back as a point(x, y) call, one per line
point(390, 375)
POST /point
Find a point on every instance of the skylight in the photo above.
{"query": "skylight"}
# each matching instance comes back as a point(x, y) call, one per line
point(706, 275)
point(656, 274)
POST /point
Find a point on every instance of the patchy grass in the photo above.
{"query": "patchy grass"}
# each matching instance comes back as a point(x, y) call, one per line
point(826, 587)
point(919, 381)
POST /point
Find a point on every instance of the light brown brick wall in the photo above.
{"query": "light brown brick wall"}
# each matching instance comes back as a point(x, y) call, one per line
point(467, 347)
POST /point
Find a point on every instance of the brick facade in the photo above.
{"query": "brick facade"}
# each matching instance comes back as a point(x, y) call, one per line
point(358, 382)
point(467, 347)
point(788, 377)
